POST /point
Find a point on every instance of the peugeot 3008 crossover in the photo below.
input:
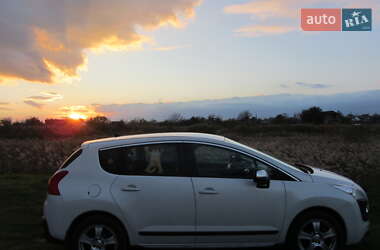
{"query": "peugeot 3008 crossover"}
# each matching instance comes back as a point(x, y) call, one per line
point(197, 190)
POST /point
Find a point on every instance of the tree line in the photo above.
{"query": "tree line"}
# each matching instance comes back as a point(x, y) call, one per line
point(244, 122)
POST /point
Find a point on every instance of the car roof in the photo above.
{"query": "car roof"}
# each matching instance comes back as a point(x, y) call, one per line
point(140, 138)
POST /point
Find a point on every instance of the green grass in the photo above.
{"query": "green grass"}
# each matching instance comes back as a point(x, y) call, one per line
point(22, 198)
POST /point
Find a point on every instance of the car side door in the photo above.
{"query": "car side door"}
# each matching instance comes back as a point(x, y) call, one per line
point(230, 209)
point(153, 192)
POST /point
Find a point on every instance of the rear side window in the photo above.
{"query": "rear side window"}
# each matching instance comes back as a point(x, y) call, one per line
point(71, 158)
point(152, 160)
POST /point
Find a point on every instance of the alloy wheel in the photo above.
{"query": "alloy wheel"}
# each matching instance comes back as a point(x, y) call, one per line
point(317, 234)
point(98, 237)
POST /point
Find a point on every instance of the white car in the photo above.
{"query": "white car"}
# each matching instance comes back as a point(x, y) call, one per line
point(197, 190)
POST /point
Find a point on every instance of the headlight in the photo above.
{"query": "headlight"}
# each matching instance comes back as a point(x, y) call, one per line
point(347, 189)
point(360, 197)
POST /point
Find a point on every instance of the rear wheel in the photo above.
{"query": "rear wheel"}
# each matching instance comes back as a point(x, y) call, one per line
point(98, 233)
point(316, 231)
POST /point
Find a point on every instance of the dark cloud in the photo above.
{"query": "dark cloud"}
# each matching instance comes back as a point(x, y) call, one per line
point(34, 104)
point(39, 101)
point(42, 98)
point(262, 106)
point(45, 97)
point(313, 85)
point(51, 93)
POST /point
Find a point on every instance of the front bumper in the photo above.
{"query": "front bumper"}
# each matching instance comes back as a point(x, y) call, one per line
point(366, 237)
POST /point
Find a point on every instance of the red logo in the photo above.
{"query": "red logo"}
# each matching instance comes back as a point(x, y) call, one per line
point(321, 19)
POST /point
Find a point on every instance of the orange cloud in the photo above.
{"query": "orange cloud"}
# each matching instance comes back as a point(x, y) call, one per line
point(264, 9)
point(3, 106)
point(49, 40)
point(168, 48)
point(262, 30)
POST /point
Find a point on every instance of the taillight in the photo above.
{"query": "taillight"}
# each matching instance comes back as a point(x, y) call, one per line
point(54, 181)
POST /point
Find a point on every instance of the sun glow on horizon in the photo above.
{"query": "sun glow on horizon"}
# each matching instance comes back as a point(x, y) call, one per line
point(78, 112)
point(77, 116)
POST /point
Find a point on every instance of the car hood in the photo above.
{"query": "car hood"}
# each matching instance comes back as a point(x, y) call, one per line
point(325, 176)
point(328, 177)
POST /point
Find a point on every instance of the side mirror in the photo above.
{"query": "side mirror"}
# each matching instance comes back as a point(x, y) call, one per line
point(262, 179)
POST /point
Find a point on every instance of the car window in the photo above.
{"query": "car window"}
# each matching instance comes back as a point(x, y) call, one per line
point(213, 161)
point(217, 162)
point(71, 158)
point(152, 159)
point(274, 173)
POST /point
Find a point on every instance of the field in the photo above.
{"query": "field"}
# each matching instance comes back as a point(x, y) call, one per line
point(25, 166)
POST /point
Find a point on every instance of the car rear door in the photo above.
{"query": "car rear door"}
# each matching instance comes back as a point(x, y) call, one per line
point(153, 192)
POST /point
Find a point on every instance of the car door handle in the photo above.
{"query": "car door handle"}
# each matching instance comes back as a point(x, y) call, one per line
point(208, 190)
point(130, 188)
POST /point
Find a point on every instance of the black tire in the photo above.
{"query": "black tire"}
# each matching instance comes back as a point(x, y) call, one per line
point(106, 226)
point(307, 223)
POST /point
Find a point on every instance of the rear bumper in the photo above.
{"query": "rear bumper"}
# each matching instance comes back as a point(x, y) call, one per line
point(47, 234)
point(55, 215)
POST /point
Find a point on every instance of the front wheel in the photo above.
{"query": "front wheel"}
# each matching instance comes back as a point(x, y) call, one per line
point(98, 233)
point(316, 231)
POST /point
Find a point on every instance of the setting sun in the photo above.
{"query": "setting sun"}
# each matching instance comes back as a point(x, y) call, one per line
point(77, 116)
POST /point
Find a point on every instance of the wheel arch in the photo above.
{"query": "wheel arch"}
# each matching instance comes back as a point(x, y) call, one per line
point(87, 214)
point(327, 210)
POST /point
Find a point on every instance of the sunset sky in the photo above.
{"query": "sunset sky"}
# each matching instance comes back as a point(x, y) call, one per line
point(71, 57)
